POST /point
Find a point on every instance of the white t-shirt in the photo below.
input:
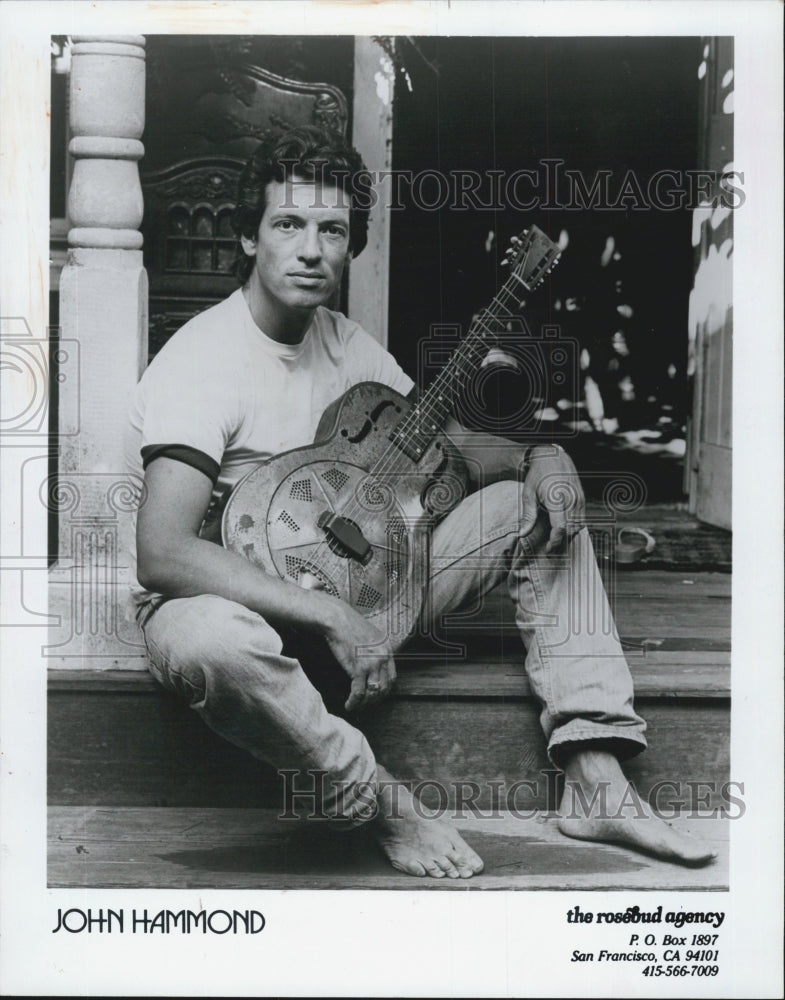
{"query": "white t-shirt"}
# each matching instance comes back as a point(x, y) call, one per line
point(226, 396)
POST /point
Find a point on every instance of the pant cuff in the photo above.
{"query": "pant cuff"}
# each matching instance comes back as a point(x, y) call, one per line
point(354, 805)
point(611, 739)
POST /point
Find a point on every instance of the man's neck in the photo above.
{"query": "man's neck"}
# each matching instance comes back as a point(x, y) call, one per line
point(285, 326)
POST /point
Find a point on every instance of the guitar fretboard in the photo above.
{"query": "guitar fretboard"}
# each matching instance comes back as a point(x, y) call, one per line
point(420, 426)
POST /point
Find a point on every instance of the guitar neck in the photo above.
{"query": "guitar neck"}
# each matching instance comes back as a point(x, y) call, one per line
point(421, 425)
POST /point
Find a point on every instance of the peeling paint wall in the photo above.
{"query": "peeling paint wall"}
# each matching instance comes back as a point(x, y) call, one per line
point(708, 477)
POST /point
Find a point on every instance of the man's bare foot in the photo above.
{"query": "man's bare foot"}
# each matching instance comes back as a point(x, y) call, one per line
point(416, 843)
point(616, 813)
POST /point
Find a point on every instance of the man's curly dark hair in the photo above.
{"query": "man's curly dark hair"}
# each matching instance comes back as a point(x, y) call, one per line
point(309, 153)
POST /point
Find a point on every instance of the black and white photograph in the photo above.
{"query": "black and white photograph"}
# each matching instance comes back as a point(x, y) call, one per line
point(392, 473)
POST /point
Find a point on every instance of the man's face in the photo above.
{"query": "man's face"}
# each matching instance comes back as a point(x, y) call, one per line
point(301, 247)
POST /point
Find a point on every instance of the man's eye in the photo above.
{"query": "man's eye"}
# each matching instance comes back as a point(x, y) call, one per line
point(285, 224)
point(335, 231)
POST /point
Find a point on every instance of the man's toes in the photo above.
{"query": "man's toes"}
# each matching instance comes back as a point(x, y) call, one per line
point(462, 866)
point(470, 857)
point(410, 866)
point(466, 861)
point(447, 866)
point(464, 870)
point(434, 869)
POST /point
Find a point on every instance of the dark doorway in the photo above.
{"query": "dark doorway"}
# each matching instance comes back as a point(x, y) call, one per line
point(624, 106)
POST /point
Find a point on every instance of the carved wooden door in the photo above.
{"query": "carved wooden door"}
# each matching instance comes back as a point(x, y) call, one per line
point(215, 117)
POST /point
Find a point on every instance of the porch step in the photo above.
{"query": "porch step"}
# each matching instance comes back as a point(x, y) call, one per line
point(121, 740)
point(466, 715)
point(252, 849)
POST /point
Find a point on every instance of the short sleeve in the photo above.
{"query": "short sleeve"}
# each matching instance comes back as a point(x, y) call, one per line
point(187, 411)
point(375, 364)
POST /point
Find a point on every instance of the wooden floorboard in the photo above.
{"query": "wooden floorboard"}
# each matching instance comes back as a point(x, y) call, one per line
point(97, 847)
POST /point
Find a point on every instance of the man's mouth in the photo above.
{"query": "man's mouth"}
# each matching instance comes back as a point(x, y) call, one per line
point(310, 275)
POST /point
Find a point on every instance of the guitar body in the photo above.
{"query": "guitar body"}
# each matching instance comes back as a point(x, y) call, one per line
point(273, 515)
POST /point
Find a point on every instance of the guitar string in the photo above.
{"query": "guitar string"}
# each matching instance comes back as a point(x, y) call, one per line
point(444, 388)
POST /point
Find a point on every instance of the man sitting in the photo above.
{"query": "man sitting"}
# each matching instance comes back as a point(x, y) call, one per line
point(250, 378)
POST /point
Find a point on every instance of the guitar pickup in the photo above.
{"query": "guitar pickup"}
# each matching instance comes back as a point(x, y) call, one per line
point(347, 535)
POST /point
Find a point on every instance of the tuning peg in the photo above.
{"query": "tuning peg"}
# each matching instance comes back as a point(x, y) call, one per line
point(505, 263)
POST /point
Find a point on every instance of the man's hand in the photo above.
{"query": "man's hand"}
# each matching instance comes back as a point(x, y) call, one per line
point(552, 483)
point(372, 670)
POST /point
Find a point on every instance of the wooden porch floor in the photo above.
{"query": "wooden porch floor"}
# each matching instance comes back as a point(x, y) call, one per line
point(97, 847)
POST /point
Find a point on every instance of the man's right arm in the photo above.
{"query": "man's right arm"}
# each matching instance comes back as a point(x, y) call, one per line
point(174, 561)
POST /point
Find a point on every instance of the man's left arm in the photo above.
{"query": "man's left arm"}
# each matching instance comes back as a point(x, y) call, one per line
point(550, 480)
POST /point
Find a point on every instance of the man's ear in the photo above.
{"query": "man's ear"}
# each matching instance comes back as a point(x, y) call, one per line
point(248, 245)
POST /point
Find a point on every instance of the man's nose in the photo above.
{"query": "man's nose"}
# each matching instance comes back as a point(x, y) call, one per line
point(310, 248)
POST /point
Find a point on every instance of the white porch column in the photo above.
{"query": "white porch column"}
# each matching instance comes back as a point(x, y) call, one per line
point(372, 123)
point(102, 351)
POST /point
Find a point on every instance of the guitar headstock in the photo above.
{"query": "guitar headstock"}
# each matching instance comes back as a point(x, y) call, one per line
point(531, 256)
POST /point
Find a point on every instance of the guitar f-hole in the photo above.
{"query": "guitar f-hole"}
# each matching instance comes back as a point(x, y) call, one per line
point(370, 423)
